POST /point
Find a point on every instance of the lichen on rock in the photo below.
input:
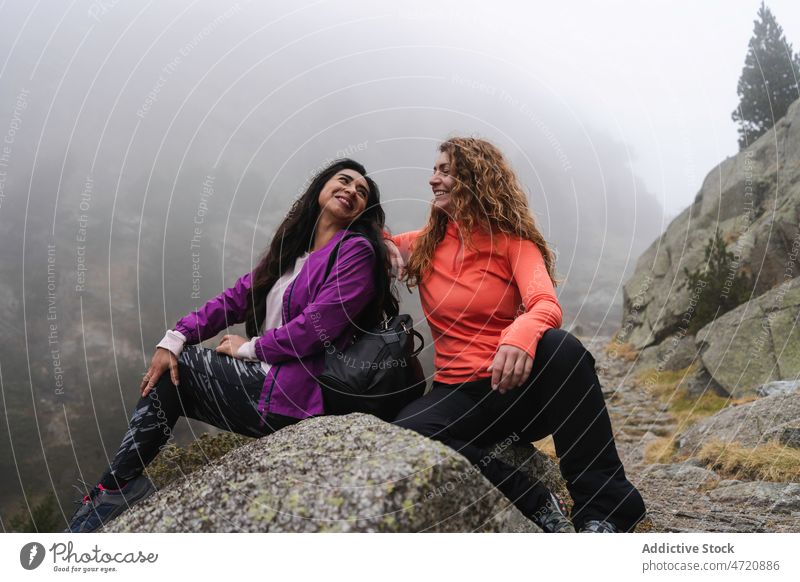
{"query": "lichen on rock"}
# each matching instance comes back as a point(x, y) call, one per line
point(332, 473)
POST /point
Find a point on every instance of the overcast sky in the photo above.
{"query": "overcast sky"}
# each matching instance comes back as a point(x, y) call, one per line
point(660, 74)
point(612, 112)
point(664, 72)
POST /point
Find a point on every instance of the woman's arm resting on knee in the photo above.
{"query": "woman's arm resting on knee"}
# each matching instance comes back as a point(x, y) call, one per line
point(173, 341)
point(231, 345)
point(162, 361)
point(510, 368)
point(226, 309)
point(542, 312)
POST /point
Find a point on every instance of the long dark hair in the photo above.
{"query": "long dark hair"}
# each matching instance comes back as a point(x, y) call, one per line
point(295, 236)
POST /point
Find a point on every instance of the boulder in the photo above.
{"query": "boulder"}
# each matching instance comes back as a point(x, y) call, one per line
point(674, 353)
point(700, 382)
point(686, 473)
point(537, 466)
point(728, 482)
point(788, 435)
point(756, 343)
point(749, 424)
point(331, 473)
point(753, 198)
point(778, 387)
point(776, 497)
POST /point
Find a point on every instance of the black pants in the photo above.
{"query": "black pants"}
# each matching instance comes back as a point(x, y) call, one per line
point(562, 397)
point(214, 388)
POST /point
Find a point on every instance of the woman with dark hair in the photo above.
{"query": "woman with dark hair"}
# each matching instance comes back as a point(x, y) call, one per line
point(486, 278)
point(294, 311)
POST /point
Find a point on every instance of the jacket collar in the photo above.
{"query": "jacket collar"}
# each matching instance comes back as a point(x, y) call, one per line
point(331, 243)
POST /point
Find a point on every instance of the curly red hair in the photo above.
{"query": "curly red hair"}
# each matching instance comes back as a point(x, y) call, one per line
point(487, 195)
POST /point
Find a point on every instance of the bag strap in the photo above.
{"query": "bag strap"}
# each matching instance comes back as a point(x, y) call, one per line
point(332, 259)
point(417, 335)
point(335, 253)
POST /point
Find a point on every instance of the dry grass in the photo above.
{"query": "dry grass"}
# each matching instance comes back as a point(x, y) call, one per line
point(665, 386)
point(771, 461)
point(547, 446)
point(625, 351)
point(768, 462)
point(660, 450)
point(689, 410)
point(175, 462)
point(663, 380)
point(743, 400)
point(685, 409)
point(645, 526)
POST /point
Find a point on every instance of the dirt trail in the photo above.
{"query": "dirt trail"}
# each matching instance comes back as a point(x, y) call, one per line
point(673, 504)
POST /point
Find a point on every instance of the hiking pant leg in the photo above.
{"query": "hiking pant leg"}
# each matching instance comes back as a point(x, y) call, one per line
point(563, 397)
point(214, 388)
point(451, 416)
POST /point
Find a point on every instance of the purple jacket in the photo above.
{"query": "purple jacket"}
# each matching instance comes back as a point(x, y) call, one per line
point(317, 317)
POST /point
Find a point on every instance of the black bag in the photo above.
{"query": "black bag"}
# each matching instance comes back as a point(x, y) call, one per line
point(378, 373)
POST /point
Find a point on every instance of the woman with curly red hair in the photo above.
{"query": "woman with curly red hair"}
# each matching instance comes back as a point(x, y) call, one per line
point(486, 278)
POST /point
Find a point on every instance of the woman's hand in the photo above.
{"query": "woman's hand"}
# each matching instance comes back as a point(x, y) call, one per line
point(510, 368)
point(395, 258)
point(230, 345)
point(162, 361)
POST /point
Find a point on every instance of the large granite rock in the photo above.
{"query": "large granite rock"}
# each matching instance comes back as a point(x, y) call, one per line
point(536, 465)
point(756, 343)
point(675, 353)
point(687, 473)
point(779, 387)
point(788, 434)
point(754, 199)
point(775, 497)
point(346, 473)
point(750, 424)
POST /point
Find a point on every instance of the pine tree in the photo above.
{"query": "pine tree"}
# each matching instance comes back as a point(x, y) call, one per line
point(769, 81)
point(717, 286)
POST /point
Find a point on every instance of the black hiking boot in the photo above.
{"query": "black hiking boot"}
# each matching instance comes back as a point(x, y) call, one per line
point(552, 516)
point(102, 505)
point(599, 526)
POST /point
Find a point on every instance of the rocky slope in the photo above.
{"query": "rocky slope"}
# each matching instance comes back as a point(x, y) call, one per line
point(771, 418)
point(756, 343)
point(753, 198)
point(685, 495)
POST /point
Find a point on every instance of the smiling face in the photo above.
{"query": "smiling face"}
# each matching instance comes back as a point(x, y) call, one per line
point(442, 181)
point(344, 197)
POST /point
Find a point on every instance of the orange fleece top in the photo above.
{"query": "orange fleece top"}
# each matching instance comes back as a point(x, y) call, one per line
point(476, 299)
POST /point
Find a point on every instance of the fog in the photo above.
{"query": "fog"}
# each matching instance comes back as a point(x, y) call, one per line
point(150, 148)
